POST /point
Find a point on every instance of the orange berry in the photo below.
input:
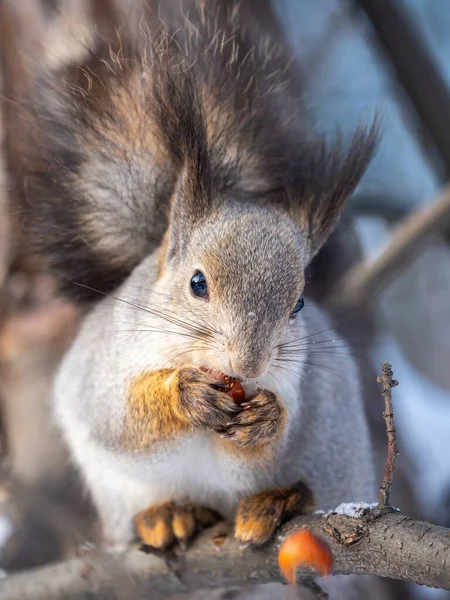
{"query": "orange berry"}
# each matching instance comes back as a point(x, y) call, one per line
point(304, 548)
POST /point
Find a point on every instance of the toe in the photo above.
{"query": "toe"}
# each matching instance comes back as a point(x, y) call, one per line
point(154, 526)
point(183, 525)
point(160, 526)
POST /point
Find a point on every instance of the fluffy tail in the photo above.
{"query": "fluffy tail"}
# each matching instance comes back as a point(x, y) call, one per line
point(105, 138)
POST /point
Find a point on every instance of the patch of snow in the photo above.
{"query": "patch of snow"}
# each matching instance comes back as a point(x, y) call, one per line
point(3, 574)
point(352, 509)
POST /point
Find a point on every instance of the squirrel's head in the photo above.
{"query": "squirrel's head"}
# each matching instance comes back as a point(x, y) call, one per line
point(240, 278)
point(233, 266)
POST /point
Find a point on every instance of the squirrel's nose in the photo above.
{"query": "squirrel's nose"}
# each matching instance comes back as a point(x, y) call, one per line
point(246, 370)
point(244, 365)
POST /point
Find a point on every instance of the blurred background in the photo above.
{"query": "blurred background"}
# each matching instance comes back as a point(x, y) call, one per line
point(358, 57)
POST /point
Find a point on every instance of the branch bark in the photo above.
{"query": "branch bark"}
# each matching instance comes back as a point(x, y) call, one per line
point(380, 541)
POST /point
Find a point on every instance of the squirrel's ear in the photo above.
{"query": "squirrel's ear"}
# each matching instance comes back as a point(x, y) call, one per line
point(190, 205)
point(326, 180)
point(185, 132)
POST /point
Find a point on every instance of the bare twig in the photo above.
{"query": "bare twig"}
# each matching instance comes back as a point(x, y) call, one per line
point(385, 379)
point(364, 282)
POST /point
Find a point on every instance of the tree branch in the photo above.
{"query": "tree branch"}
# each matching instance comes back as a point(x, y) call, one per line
point(417, 70)
point(381, 542)
point(364, 282)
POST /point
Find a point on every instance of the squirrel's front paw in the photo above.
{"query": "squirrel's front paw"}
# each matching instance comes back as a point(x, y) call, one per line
point(202, 400)
point(259, 421)
point(162, 525)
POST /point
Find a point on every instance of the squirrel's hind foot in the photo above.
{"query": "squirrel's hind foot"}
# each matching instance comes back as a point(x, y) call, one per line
point(258, 516)
point(162, 525)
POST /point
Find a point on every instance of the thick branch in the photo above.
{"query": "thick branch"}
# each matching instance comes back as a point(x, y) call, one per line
point(364, 282)
point(384, 542)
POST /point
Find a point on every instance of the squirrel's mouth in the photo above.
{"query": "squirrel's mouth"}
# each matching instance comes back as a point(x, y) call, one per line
point(240, 390)
point(231, 385)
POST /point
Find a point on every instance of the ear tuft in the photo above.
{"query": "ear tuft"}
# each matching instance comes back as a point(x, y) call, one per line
point(327, 178)
point(177, 101)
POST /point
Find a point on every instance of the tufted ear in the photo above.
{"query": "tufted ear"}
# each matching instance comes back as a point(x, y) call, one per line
point(185, 132)
point(327, 178)
point(190, 204)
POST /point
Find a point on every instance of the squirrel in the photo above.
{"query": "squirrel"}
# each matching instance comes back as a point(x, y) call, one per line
point(173, 171)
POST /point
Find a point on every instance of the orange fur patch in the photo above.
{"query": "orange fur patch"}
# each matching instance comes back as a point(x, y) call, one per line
point(154, 526)
point(151, 410)
point(183, 523)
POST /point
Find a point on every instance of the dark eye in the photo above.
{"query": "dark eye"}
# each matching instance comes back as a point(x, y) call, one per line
point(198, 285)
point(298, 307)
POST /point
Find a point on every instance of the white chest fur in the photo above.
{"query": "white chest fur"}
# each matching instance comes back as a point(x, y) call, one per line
point(194, 469)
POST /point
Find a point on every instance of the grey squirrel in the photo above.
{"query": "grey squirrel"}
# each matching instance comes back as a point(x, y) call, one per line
point(173, 171)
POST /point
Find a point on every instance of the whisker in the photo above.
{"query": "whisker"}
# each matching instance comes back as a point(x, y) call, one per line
point(300, 376)
point(343, 351)
point(326, 367)
point(189, 325)
point(305, 337)
point(309, 349)
point(176, 333)
point(146, 326)
point(317, 342)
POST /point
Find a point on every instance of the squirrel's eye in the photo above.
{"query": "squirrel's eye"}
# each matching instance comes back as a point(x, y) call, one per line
point(198, 285)
point(298, 307)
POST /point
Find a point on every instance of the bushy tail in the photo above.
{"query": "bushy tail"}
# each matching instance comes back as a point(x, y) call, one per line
point(98, 146)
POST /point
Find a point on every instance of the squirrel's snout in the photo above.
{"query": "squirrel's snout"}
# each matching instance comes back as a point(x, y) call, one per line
point(246, 365)
point(246, 371)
